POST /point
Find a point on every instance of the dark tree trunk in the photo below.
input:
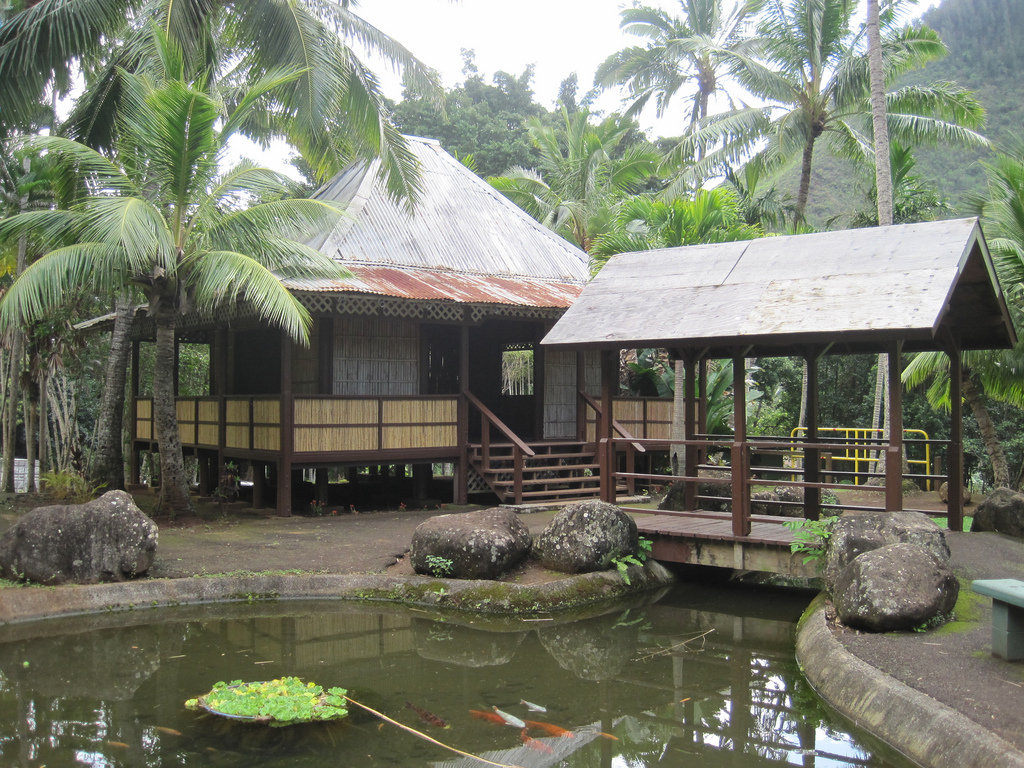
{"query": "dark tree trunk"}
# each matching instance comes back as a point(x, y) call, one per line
point(976, 399)
point(174, 498)
point(107, 466)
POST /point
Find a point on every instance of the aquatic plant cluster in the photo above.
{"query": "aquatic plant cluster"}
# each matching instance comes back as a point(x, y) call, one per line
point(285, 701)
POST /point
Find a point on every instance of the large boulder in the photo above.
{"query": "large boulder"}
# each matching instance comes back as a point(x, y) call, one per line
point(895, 587)
point(106, 539)
point(586, 536)
point(472, 545)
point(855, 533)
point(1002, 511)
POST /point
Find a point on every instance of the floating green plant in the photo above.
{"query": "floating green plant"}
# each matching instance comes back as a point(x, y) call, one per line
point(275, 702)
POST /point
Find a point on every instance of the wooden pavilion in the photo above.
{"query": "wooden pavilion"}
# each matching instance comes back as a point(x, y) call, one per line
point(909, 288)
point(404, 369)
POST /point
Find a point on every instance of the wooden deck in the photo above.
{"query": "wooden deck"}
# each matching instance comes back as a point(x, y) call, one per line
point(706, 538)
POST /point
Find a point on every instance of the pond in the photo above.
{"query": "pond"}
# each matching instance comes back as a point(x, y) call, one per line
point(703, 676)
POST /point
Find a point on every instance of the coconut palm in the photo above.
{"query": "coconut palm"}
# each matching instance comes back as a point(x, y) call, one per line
point(990, 374)
point(812, 74)
point(583, 172)
point(162, 218)
point(331, 111)
point(696, 50)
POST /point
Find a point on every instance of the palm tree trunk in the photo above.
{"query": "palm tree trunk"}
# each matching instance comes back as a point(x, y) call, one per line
point(805, 181)
point(31, 423)
point(44, 423)
point(802, 421)
point(989, 437)
point(107, 465)
point(174, 498)
point(14, 389)
point(679, 419)
point(883, 170)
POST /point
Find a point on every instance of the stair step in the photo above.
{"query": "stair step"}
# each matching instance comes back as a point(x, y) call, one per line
point(577, 481)
point(534, 470)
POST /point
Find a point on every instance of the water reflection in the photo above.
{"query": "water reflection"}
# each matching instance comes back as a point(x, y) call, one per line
point(705, 676)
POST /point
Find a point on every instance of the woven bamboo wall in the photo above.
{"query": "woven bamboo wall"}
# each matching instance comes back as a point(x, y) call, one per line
point(266, 438)
point(266, 411)
point(327, 425)
point(186, 411)
point(559, 394)
point(144, 419)
point(236, 431)
point(376, 356)
point(318, 439)
point(330, 411)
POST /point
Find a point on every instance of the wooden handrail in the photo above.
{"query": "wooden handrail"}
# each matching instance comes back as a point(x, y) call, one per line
point(486, 413)
point(589, 400)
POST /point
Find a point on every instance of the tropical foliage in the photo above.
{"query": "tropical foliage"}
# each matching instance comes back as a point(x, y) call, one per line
point(164, 219)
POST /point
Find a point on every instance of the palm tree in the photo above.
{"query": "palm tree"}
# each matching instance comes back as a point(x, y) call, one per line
point(164, 220)
point(695, 49)
point(990, 374)
point(812, 74)
point(331, 111)
point(583, 172)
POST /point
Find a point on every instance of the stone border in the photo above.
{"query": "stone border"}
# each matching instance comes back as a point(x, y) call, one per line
point(916, 725)
point(489, 597)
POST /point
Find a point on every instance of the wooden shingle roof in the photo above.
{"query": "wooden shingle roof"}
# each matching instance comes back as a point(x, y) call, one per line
point(856, 290)
point(464, 242)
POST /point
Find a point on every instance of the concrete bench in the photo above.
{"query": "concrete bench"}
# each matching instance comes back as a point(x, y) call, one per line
point(1007, 615)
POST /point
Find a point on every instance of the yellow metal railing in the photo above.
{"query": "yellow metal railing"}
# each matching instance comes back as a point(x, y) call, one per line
point(864, 457)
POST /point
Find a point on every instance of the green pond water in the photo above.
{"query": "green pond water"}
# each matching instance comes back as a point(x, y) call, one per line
point(701, 676)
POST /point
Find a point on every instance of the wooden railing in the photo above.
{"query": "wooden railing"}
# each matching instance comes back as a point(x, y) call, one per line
point(632, 446)
point(520, 450)
point(745, 470)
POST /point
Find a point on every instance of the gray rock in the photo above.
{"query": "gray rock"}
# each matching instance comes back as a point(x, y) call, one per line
point(478, 545)
point(586, 536)
point(895, 587)
point(767, 503)
point(1002, 511)
point(856, 532)
point(593, 649)
point(944, 493)
point(106, 539)
point(464, 646)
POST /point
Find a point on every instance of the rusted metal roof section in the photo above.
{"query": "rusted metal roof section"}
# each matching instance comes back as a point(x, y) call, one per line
point(465, 241)
point(426, 284)
point(856, 289)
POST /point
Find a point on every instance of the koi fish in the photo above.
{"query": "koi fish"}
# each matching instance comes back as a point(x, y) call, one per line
point(168, 731)
point(607, 735)
point(533, 743)
point(512, 720)
point(533, 707)
point(549, 729)
point(490, 717)
point(427, 717)
point(119, 744)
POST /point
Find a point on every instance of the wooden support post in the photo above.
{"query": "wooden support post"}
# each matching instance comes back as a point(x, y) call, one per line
point(955, 459)
point(284, 473)
point(321, 484)
point(461, 479)
point(812, 457)
point(581, 407)
point(691, 454)
point(894, 450)
point(204, 460)
point(133, 456)
point(605, 447)
point(702, 407)
point(325, 356)
point(422, 474)
point(740, 458)
point(259, 484)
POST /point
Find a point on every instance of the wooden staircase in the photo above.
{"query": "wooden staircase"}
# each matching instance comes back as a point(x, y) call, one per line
point(557, 471)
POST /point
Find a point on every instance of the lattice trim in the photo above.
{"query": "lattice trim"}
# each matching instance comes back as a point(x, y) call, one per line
point(475, 482)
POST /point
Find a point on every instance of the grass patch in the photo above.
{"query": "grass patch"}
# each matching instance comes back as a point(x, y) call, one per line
point(966, 613)
point(944, 523)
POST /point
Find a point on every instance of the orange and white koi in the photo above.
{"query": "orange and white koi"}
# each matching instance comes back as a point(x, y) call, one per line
point(532, 707)
point(536, 744)
point(168, 731)
point(512, 720)
point(488, 716)
point(549, 728)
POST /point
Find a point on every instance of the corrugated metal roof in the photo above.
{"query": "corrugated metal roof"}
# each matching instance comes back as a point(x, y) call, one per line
point(860, 287)
point(425, 284)
point(464, 242)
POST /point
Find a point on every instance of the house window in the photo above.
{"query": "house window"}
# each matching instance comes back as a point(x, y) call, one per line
point(517, 370)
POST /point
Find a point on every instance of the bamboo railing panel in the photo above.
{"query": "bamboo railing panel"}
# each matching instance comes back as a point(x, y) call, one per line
point(326, 439)
point(143, 419)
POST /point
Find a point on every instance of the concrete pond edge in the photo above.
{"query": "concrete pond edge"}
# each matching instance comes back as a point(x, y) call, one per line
point(914, 724)
point(18, 604)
